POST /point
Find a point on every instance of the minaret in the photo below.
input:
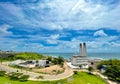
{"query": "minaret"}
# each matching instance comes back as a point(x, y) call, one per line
point(84, 49)
point(81, 50)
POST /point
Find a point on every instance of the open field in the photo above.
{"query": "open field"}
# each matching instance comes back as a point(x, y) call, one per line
point(80, 78)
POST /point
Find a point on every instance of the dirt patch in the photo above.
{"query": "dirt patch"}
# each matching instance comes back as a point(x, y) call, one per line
point(55, 69)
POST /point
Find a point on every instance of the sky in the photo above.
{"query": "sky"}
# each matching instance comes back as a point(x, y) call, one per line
point(59, 25)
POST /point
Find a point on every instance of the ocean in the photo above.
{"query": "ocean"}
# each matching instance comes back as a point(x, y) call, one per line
point(104, 56)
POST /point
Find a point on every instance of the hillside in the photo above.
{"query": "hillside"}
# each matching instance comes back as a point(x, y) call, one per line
point(22, 55)
point(29, 55)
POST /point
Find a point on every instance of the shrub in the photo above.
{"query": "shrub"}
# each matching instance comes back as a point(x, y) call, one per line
point(2, 73)
point(14, 76)
point(24, 78)
point(75, 72)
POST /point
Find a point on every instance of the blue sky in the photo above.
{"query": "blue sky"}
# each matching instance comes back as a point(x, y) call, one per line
point(60, 25)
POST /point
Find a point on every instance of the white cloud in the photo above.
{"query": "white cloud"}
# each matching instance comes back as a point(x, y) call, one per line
point(56, 36)
point(60, 14)
point(13, 9)
point(100, 33)
point(4, 30)
point(53, 39)
point(115, 44)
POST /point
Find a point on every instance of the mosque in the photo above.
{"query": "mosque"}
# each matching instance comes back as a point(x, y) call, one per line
point(81, 60)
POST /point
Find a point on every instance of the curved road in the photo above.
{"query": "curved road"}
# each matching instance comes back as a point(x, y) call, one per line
point(67, 73)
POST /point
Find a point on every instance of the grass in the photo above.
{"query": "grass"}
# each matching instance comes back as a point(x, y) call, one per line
point(80, 78)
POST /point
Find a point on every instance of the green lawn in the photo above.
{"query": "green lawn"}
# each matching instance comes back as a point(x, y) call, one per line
point(80, 78)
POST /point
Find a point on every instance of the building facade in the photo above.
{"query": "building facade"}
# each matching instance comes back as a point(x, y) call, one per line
point(81, 60)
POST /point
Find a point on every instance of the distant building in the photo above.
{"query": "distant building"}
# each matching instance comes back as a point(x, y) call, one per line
point(31, 63)
point(81, 60)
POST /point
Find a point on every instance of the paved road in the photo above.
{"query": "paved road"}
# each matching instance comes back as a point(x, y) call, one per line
point(33, 75)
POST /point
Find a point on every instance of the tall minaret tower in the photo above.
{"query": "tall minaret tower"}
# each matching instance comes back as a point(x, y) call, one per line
point(81, 50)
point(84, 49)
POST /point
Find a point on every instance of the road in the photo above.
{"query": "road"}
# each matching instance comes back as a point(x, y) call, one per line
point(67, 73)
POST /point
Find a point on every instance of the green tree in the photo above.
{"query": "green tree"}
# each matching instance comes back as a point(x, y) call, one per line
point(54, 61)
point(90, 69)
point(60, 60)
point(113, 72)
point(80, 66)
point(49, 58)
point(112, 69)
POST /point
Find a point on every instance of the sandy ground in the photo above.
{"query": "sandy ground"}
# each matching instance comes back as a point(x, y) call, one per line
point(50, 70)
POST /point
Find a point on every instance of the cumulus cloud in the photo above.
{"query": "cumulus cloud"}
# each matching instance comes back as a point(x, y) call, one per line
point(4, 30)
point(63, 14)
point(100, 33)
point(56, 36)
point(53, 39)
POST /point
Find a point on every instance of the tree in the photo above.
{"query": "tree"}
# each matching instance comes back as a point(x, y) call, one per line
point(80, 66)
point(90, 69)
point(60, 60)
point(113, 72)
point(54, 61)
point(112, 69)
point(49, 58)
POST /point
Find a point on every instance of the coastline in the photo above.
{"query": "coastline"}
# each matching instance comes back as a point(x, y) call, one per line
point(103, 56)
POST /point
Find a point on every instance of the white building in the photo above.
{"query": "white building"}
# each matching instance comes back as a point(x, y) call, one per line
point(16, 62)
point(82, 59)
point(31, 63)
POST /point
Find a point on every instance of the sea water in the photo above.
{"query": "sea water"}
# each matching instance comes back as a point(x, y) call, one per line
point(89, 55)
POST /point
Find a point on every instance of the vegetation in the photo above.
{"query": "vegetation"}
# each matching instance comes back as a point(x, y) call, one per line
point(23, 56)
point(14, 76)
point(112, 69)
point(90, 69)
point(109, 62)
point(80, 66)
point(79, 78)
point(49, 58)
point(24, 78)
point(18, 76)
point(75, 72)
point(29, 55)
point(59, 61)
point(40, 77)
point(2, 73)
